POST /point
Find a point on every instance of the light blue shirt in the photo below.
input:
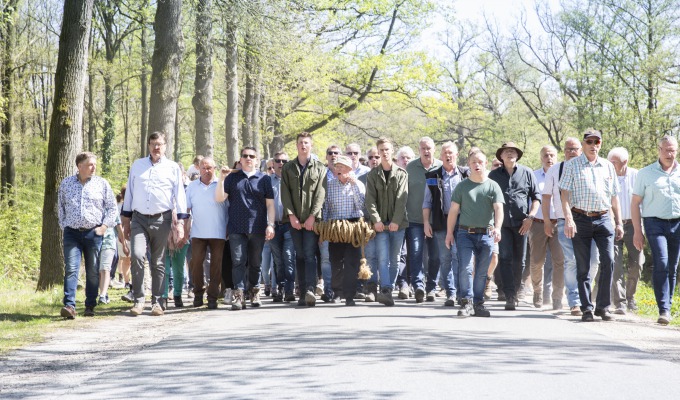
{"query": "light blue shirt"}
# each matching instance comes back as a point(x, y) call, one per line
point(209, 218)
point(278, 205)
point(660, 191)
point(361, 170)
point(155, 188)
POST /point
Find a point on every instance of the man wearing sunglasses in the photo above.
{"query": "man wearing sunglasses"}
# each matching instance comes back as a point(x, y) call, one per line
point(251, 222)
point(589, 196)
point(353, 151)
point(323, 286)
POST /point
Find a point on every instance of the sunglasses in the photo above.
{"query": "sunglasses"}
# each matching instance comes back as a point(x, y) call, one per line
point(281, 161)
point(593, 141)
point(270, 168)
point(332, 153)
point(251, 156)
point(352, 153)
point(373, 157)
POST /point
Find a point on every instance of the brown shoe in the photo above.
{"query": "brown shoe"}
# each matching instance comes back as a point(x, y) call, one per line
point(68, 312)
point(576, 311)
point(138, 308)
point(157, 310)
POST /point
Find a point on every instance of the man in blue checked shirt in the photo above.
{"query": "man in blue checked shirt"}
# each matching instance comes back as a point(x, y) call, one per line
point(87, 207)
point(344, 201)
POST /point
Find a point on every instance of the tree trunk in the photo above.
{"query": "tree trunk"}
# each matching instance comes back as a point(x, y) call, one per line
point(91, 116)
point(109, 125)
point(277, 142)
point(167, 55)
point(8, 171)
point(65, 140)
point(144, 78)
point(248, 100)
point(203, 90)
point(231, 120)
point(255, 118)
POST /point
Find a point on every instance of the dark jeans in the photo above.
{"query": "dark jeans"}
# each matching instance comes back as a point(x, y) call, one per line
point(76, 243)
point(512, 254)
point(283, 253)
point(246, 251)
point(306, 246)
point(227, 267)
point(663, 236)
point(600, 230)
point(345, 267)
point(198, 249)
point(416, 243)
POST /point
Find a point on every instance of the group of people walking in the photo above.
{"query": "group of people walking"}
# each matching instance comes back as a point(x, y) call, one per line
point(438, 225)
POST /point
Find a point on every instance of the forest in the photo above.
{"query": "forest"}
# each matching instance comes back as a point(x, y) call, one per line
point(217, 75)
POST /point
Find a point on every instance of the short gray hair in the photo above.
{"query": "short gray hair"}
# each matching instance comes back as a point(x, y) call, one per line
point(406, 150)
point(619, 152)
point(668, 139)
point(547, 148)
point(426, 139)
point(448, 144)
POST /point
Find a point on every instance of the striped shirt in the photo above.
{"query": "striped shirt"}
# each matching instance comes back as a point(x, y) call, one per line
point(344, 201)
point(591, 186)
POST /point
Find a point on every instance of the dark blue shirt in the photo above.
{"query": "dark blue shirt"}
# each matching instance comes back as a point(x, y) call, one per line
point(247, 202)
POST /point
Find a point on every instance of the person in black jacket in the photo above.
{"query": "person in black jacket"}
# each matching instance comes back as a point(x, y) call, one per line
point(436, 204)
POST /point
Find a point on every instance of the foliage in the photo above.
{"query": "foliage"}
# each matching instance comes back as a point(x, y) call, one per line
point(646, 301)
point(20, 236)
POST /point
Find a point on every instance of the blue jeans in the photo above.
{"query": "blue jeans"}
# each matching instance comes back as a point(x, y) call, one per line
point(283, 253)
point(469, 245)
point(598, 229)
point(267, 264)
point(448, 264)
point(371, 254)
point(570, 281)
point(326, 272)
point(664, 240)
point(246, 251)
point(306, 242)
point(416, 243)
point(388, 245)
point(88, 244)
point(511, 258)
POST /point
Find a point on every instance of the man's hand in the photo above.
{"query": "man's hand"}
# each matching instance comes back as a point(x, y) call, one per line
point(379, 227)
point(126, 249)
point(269, 233)
point(449, 240)
point(427, 228)
point(548, 228)
point(526, 226)
point(618, 232)
point(126, 228)
point(295, 222)
point(638, 240)
point(224, 171)
point(393, 227)
point(496, 234)
point(100, 230)
point(309, 223)
point(569, 229)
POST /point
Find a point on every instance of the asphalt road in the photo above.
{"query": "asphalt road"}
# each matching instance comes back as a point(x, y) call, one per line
point(368, 352)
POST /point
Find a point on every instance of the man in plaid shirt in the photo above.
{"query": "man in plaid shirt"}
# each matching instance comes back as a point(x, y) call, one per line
point(344, 201)
point(589, 187)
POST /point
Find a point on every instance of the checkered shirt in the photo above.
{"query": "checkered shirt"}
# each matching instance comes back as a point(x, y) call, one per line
point(591, 186)
point(344, 201)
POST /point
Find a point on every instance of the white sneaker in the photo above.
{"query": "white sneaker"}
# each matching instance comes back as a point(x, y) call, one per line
point(227, 297)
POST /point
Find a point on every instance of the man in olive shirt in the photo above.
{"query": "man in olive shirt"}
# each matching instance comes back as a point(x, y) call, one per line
point(303, 191)
point(416, 241)
point(479, 200)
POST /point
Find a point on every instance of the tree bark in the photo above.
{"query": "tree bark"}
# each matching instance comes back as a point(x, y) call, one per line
point(8, 171)
point(203, 85)
point(144, 80)
point(167, 55)
point(255, 118)
point(91, 116)
point(231, 120)
point(65, 140)
point(278, 141)
point(247, 112)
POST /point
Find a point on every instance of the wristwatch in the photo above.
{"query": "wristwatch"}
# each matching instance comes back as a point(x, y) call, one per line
point(271, 224)
point(531, 217)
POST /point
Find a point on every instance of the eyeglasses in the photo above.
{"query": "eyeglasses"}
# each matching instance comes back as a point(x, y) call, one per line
point(373, 157)
point(593, 141)
point(251, 156)
point(352, 153)
point(332, 153)
point(156, 144)
point(281, 161)
point(572, 149)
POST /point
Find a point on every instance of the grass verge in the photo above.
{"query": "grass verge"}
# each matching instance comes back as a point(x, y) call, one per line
point(27, 316)
point(646, 302)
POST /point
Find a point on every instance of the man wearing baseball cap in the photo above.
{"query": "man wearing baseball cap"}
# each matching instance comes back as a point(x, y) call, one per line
point(518, 184)
point(589, 192)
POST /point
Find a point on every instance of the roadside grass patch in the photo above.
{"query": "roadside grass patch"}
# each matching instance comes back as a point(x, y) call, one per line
point(646, 302)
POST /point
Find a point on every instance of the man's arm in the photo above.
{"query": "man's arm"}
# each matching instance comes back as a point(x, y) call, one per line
point(271, 218)
point(545, 208)
point(220, 195)
point(497, 221)
point(569, 225)
point(450, 223)
point(618, 224)
point(635, 215)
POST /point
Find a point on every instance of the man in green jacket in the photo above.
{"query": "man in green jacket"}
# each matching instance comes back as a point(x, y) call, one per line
point(386, 196)
point(303, 191)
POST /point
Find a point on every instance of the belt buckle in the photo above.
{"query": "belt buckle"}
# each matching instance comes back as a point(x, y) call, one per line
point(471, 231)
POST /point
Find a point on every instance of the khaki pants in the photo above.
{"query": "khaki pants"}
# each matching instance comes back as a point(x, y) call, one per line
point(539, 244)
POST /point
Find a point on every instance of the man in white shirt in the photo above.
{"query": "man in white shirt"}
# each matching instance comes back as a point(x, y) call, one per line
point(622, 290)
point(154, 189)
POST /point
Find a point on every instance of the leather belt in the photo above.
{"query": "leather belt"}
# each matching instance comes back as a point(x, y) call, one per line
point(279, 223)
point(473, 230)
point(554, 221)
point(589, 213)
point(83, 229)
point(152, 215)
point(626, 221)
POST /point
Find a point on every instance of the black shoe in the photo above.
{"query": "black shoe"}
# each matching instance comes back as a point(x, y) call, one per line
point(501, 295)
point(129, 297)
point(301, 302)
point(278, 298)
point(198, 301)
point(510, 304)
point(604, 314)
point(481, 311)
point(89, 312)
point(289, 297)
point(178, 301)
point(420, 295)
point(326, 298)
point(587, 316)
point(212, 304)
point(350, 302)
